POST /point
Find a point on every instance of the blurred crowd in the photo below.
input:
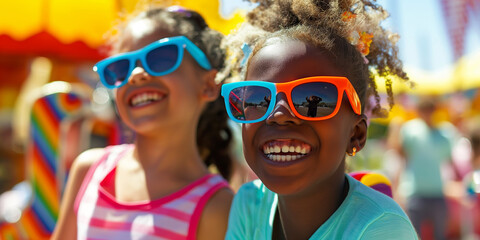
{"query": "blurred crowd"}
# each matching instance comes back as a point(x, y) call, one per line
point(429, 148)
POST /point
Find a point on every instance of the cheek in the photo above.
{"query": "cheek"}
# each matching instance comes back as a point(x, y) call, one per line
point(184, 83)
point(335, 135)
point(248, 133)
point(118, 97)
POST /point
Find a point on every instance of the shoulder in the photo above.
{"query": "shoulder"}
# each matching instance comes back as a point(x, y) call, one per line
point(252, 208)
point(389, 226)
point(378, 213)
point(87, 158)
point(91, 156)
point(80, 168)
point(66, 224)
point(83, 162)
point(213, 222)
point(412, 126)
point(372, 199)
point(219, 204)
point(253, 198)
point(449, 131)
point(254, 190)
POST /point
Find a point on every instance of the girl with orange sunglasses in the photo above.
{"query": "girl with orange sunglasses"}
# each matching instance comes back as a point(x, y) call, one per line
point(306, 67)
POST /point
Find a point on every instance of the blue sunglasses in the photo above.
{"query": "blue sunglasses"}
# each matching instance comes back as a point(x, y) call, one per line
point(159, 58)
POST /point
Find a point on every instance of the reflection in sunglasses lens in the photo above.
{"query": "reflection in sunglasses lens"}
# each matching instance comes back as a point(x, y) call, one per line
point(116, 72)
point(249, 102)
point(163, 58)
point(316, 99)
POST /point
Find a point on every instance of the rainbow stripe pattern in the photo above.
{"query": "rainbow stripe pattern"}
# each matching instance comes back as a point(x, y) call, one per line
point(44, 167)
point(374, 180)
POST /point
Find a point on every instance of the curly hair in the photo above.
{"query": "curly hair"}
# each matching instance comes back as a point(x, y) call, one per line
point(213, 133)
point(321, 24)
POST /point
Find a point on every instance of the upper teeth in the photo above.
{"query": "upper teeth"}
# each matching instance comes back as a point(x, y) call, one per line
point(144, 98)
point(272, 152)
point(284, 149)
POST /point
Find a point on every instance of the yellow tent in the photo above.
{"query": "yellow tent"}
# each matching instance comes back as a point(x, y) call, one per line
point(464, 75)
point(88, 20)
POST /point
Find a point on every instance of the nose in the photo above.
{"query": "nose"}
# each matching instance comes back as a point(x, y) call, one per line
point(139, 75)
point(282, 114)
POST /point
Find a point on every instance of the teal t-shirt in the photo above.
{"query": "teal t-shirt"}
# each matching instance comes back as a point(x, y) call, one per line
point(364, 214)
point(426, 149)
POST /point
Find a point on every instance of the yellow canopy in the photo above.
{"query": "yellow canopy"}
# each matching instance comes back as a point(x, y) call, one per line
point(464, 75)
point(87, 20)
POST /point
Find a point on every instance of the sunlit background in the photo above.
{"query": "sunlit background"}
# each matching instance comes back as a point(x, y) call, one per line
point(52, 108)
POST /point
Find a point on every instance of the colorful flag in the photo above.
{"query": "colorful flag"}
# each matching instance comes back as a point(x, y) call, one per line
point(457, 16)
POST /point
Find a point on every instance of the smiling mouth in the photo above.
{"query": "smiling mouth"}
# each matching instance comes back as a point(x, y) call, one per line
point(145, 98)
point(285, 150)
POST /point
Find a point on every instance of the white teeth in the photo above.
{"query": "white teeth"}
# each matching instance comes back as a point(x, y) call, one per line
point(288, 152)
point(267, 150)
point(298, 149)
point(283, 158)
point(144, 98)
point(276, 149)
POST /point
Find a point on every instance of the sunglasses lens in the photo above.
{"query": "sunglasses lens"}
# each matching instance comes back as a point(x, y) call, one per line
point(116, 72)
point(162, 59)
point(315, 99)
point(249, 103)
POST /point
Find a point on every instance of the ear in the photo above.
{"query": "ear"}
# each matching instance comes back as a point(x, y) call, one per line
point(210, 89)
point(359, 134)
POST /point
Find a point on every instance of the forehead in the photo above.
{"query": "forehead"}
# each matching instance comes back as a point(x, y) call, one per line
point(288, 60)
point(141, 32)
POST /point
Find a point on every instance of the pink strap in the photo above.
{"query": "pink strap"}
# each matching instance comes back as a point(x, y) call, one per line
point(88, 178)
point(192, 231)
point(91, 171)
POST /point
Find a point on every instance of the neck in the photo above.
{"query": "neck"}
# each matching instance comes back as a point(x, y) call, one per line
point(172, 153)
point(313, 208)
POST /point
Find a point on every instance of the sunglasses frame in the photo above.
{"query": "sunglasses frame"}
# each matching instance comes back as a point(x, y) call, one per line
point(181, 42)
point(341, 83)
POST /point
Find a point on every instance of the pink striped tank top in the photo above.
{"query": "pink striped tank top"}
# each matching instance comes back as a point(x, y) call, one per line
point(100, 216)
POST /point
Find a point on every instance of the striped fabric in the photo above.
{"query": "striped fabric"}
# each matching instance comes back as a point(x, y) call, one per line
point(100, 216)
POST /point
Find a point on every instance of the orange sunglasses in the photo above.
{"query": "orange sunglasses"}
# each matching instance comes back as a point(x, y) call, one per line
point(313, 98)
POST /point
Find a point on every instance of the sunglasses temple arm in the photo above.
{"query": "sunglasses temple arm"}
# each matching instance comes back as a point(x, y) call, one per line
point(354, 100)
point(199, 56)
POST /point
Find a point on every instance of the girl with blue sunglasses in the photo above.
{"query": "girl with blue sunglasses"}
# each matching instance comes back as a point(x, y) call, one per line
point(300, 90)
point(163, 77)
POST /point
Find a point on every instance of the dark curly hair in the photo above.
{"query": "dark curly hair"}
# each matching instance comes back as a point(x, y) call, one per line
point(213, 133)
point(321, 23)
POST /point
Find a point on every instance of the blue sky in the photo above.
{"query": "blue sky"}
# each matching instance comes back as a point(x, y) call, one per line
point(424, 43)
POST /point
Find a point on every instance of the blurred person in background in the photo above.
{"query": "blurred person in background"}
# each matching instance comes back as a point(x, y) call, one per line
point(471, 207)
point(426, 146)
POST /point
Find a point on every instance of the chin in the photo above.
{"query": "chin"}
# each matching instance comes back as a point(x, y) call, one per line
point(282, 185)
point(146, 128)
point(284, 190)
